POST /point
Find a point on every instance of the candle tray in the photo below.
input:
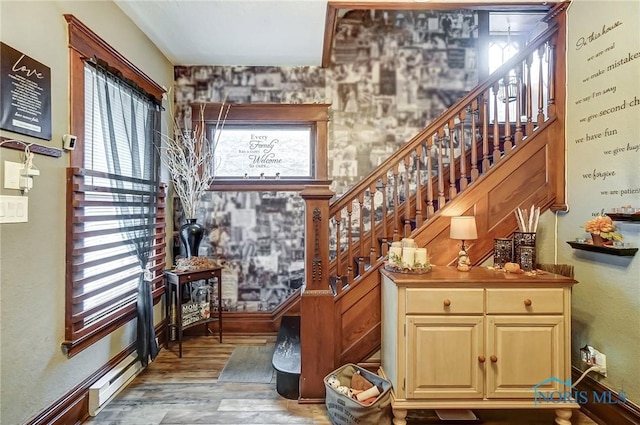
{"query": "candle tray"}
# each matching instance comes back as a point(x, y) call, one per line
point(408, 270)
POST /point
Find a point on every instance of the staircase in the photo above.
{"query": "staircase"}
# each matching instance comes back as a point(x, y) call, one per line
point(485, 156)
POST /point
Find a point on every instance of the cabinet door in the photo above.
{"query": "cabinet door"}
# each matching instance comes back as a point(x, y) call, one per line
point(524, 353)
point(443, 357)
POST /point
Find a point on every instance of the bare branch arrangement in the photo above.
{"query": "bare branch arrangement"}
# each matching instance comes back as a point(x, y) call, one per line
point(189, 156)
point(527, 220)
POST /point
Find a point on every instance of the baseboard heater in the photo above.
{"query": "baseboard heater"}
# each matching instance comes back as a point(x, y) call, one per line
point(107, 387)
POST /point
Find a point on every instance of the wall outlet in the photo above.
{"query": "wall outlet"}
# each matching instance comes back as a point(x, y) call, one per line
point(592, 357)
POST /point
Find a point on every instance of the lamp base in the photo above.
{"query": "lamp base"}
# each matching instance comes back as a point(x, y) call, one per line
point(464, 264)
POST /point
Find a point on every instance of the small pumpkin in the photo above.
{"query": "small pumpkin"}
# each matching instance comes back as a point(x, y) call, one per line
point(512, 267)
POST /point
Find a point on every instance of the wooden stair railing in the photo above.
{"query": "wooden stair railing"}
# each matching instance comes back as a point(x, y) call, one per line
point(407, 194)
point(411, 186)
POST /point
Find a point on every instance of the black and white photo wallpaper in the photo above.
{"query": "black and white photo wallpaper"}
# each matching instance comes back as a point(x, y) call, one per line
point(391, 74)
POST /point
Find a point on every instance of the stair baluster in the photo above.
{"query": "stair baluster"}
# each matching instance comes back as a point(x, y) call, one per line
point(463, 151)
point(440, 142)
point(350, 274)
point(396, 204)
point(450, 130)
point(338, 275)
point(373, 255)
point(474, 141)
point(540, 117)
point(518, 135)
point(418, 162)
point(551, 57)
point(507, 121)
point(385, 226)
point(486, 163)
point(430, 207)
point(529, 125)
point(496, 125)
point(361, 239)
point(407, 196)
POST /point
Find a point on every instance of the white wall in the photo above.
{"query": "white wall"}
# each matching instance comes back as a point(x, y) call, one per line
point(34, 373)
point(606, 302)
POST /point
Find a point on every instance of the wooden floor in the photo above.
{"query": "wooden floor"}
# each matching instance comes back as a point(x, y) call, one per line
point(185, 391)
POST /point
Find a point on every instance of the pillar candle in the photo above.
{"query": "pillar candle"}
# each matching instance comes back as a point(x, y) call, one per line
point(406, 242)
point(421, 255)
point(394, 250)
point(408, 256)
point(397, 243)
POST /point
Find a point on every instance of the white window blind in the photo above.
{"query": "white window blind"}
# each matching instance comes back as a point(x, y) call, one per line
point(116, 202)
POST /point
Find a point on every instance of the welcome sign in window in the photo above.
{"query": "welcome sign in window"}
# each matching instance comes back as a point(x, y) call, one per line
point(243, 151)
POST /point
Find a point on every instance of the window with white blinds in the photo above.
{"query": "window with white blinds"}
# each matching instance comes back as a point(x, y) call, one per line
point(116, 212)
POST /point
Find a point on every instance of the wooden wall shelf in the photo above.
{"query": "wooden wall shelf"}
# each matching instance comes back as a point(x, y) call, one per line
point(33, 147)
point(612, 250)
point(624, 217)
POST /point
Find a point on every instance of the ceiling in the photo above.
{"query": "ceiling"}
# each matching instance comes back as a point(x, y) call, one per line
point(233, 32)
point(257, 32)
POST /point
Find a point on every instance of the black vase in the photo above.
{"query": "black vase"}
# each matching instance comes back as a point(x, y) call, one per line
point(191, 236)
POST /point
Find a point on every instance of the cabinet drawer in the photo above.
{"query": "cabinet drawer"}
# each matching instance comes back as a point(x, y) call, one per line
point(444, 301)
point(526, 300)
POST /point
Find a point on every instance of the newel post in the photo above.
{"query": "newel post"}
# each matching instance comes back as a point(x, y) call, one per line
point(317, 327)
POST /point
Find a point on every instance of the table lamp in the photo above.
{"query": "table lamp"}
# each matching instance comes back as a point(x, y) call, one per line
point(463, 229)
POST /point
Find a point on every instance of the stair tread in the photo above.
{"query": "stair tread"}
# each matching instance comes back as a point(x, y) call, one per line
point(286, 356)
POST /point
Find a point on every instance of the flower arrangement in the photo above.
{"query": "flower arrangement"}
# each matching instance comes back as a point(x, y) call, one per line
point(605, 227)
point(189, 156)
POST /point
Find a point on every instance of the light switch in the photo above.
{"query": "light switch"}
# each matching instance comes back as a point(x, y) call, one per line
point(20, 212)
point(14, 209)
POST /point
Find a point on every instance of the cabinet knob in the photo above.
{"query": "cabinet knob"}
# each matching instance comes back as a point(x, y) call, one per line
point(447, 302)
point(527, 302)
point(481, 359)
point(494, 359)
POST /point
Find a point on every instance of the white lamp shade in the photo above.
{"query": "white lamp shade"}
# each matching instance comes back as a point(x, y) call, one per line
point(463, 228)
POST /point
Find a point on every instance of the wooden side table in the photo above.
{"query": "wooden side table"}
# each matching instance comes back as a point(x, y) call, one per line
point(175, 280)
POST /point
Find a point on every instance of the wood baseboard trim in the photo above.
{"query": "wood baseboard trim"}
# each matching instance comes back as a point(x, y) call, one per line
point(618, 411)
point(73, 407)
point(311, 401)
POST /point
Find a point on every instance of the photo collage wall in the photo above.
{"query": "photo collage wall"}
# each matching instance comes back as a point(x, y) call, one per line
point(391, 74)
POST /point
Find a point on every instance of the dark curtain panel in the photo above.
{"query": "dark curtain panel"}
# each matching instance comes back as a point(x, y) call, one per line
point(129, 128)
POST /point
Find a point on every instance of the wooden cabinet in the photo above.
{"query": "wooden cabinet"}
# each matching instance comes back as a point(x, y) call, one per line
point(523, 352)
point(442, 355)
point(473, 340)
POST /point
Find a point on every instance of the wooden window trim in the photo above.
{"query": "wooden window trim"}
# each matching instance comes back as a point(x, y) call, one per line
point(83, 44)
point(316, 115)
